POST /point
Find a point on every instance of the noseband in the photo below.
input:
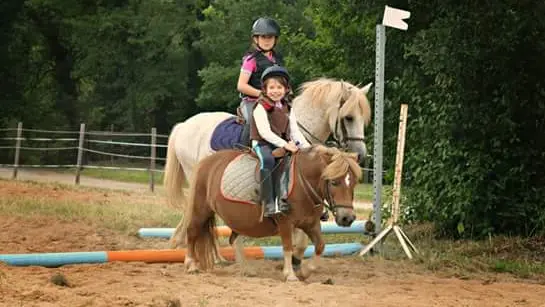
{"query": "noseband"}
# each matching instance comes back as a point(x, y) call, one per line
point(330, 203)
point(343, 142)
point(344, 139)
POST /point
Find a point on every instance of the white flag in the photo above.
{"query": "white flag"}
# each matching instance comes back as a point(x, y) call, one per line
point(394, 18)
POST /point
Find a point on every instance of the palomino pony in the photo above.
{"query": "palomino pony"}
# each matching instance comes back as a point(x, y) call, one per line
point(319, 173)
point(324, 107)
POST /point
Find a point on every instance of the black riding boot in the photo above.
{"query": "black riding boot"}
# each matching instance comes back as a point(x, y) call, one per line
point(267, 193)
point(283, 186)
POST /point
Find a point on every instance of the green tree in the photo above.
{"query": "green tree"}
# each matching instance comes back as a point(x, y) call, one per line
point(476, 157)
point(134, 63)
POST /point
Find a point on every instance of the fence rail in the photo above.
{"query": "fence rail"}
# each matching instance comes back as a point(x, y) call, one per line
point(84, 137)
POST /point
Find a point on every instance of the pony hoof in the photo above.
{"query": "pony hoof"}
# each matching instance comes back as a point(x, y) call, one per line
point(193, 271)
point(292, 278)
point(220, 259)
point(304, 273)
point(249, 273)
point(224, 263)
point(300, 275)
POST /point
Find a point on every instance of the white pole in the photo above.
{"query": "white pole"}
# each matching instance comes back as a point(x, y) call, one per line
point(152, 159)
point(17, 149)
point(80, 151)
point(378, 124)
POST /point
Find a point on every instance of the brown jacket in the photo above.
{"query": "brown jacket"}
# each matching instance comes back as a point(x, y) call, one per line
point(278, 119)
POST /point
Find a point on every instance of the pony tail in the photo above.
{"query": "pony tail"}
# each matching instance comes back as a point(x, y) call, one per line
point(205, 246)
point(205, 249)
point(174, 177)
point(179, 237)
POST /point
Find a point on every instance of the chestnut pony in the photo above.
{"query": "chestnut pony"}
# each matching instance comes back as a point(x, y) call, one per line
point(318, 173)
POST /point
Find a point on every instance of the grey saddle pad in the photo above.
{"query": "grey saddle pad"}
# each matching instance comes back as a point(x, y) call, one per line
point(240, 180)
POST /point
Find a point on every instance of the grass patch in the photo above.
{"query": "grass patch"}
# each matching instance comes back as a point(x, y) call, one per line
point(524, 269)
point(123, 175)
point(516, 256)
point(119, 218)
point(131, 176)
point(365, 192)
point(116, 210)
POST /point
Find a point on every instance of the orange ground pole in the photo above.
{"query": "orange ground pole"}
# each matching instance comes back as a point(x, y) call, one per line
point(156, 256)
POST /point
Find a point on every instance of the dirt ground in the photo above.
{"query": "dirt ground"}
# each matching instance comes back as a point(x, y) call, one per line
point(353, 281)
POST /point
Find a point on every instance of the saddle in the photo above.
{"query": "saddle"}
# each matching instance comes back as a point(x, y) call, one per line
point(240, 180)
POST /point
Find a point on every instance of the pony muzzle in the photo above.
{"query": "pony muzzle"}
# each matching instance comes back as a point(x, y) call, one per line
point(362, 153)
point(344, 217)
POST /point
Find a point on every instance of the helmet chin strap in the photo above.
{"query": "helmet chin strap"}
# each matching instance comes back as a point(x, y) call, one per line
point(265, 50)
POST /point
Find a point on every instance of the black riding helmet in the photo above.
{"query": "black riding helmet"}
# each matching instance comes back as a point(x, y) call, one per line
point(275, 71)
point(265, 26)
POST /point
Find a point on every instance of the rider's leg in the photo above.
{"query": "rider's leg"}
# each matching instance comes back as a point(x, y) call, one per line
point(283, 185)
point(247, 111)
point(264, 152)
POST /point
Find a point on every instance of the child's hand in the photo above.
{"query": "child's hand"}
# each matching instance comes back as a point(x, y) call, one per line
point(291, 147)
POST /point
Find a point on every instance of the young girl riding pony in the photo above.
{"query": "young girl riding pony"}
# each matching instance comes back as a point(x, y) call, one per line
point(274, 125)
point(254, 71)
point(265, 33)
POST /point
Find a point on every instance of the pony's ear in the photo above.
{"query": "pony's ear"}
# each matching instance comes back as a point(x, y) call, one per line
point(366, 88)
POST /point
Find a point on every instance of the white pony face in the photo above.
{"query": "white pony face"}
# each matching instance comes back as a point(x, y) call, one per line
point(347, 120)
point(339, 109)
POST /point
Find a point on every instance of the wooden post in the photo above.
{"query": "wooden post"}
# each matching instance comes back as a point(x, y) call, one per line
point(80, 151)
point(399, 163)
point(152, 159)
point(401, 236)
point(17, 149)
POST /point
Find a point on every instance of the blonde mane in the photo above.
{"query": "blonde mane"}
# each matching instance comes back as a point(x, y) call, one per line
point(329, 93)
point(341, 162)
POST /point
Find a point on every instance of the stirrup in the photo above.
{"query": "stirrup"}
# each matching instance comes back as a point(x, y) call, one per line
point(276, 209)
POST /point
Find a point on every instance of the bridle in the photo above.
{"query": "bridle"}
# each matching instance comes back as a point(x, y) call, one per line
point(340, 142)
point(329, 202)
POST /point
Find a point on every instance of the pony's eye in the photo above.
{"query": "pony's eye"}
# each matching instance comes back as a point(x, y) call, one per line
point(349, 118)
point(334, 183)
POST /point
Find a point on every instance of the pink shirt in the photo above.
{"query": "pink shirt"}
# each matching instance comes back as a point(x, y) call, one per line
point(249, 64)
